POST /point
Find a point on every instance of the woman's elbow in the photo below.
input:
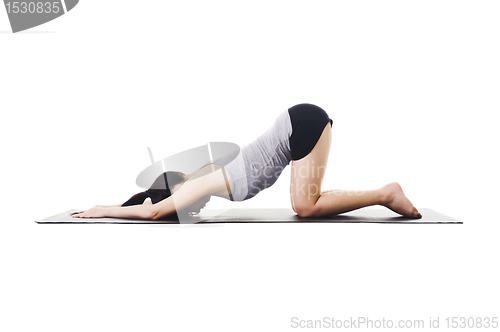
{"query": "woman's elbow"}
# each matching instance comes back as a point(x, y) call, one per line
point(152, 214)
point(156, 214)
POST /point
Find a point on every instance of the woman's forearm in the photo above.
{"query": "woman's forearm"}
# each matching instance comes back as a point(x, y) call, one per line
point(187, 194)
point(131, 212)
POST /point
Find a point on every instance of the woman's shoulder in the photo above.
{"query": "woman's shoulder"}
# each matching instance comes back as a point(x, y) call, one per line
point(213, 178)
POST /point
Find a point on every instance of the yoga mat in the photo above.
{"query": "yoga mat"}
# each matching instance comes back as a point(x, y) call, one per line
point(212, 216)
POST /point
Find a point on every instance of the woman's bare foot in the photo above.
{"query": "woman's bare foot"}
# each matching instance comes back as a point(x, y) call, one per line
point(395, 199)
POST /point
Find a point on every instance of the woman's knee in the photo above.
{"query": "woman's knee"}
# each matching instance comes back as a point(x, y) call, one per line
point(304, 208)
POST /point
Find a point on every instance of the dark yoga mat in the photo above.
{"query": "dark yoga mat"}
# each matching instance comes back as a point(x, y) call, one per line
point(208, 216)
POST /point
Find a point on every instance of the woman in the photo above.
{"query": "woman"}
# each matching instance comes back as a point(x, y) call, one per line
point(301, 135)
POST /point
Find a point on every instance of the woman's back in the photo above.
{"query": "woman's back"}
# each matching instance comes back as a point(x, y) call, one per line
point(259, 163)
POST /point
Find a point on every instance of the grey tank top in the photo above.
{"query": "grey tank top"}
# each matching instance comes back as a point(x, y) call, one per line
point(259, 164)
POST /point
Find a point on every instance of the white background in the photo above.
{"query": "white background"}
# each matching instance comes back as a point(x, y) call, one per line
point(412, 88)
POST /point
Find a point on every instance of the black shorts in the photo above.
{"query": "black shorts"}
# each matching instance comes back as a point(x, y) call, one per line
point(308, 123)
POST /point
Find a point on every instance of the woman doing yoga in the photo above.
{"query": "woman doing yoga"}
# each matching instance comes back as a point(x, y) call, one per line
point(301, 136)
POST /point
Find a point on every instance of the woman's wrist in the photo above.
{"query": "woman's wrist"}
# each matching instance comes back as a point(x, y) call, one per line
point(132, 212)
point(111, 211)
point(108, 206)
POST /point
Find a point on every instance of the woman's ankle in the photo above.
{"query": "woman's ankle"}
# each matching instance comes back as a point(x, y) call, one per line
point(386, 196)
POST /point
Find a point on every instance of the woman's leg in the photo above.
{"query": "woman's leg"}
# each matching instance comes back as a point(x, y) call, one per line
point(308, 200)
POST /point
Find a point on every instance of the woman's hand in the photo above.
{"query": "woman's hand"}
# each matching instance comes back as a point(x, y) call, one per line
point(95, 212)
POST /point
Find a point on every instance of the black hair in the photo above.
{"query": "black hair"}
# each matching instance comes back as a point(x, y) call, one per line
point(159, 190)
